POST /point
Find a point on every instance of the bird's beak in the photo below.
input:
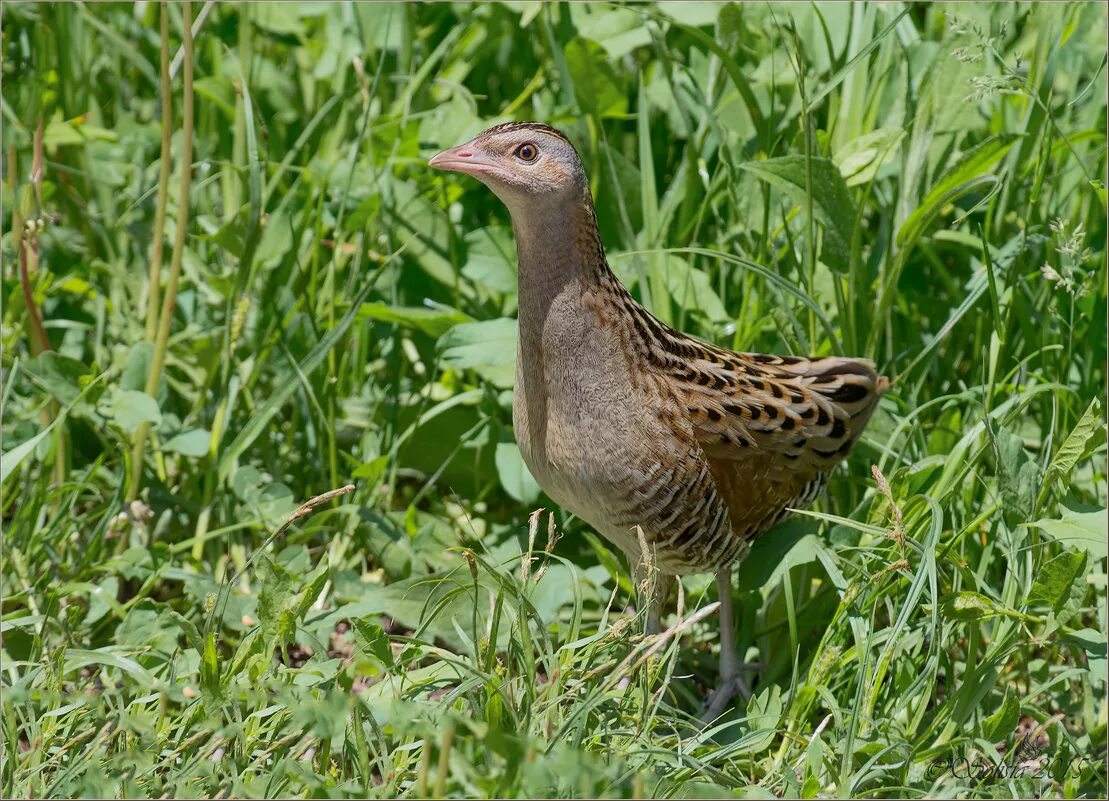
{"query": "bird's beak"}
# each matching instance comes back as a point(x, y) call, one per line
point(464, 158)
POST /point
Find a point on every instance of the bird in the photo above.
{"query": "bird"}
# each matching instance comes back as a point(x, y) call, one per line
point(651, 436)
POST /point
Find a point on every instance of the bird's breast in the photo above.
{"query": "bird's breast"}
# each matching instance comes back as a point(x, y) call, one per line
point(576, 414)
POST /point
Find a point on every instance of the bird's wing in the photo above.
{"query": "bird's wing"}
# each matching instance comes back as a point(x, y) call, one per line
point(771, 427)
point(807, 411)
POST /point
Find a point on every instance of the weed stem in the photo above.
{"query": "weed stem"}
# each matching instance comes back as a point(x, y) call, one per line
point(170, 300)
point(159, 237)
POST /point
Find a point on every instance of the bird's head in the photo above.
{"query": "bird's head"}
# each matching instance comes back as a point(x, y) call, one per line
point(526, 164)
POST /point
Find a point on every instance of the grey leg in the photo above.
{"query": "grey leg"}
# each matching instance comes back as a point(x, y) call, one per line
point(654, 616)
point(657, 596)
point(730, 680)
point(651, 585)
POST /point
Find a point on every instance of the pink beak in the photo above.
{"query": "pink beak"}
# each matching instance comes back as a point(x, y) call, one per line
point(464, 158)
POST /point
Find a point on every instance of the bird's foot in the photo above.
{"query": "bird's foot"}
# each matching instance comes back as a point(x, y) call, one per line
point(724, 693)
point(722, 697)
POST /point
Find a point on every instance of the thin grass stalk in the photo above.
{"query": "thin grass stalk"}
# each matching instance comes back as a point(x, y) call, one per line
point(170, 300)
point(810, 222)
point(36, 334)
point(26, 233)
point(444, 761)
point(158, 248)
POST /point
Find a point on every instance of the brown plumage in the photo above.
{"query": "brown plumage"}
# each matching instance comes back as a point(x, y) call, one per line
point(633, 425)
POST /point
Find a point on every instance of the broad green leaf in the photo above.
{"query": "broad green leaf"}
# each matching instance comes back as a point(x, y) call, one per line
point(77, 658)
point(362, 215)
point(280, 18)
point(372, 469)
point(596, 84)
point(1002, 723)
point(1100, 191)
point(692, 290)
point(764, 713)
point(270, 500)
point(60, 132)
point(1093, 642)
point(278, 585)
point(130, 408)
point(286, 596)
point(832, 203)
point(1060, 586)
point(514, 474)
point(1017, 474)
point(972, 164)
point(963, 177)
point(194, 442)
point(433, 322)
point(189, 629)
point(765, 709)
point(810, 788)
point(231, 236)
point(487, 347)
point(1075, 444)
point(209, 663)
point(606, 555)
point(371, 644)
point(276, 239)
point(102, 599)
point(387, 544)
point(137, 366)
point(148, 628)
point(787, 545)
point(491, 259)
point(75, 132)
point(60, 377)
point(691, 13)
point(969, 606)
point(814, 756)
point(860, 159)
point(312, 585)
point(1079, 530)
point(20, 622)
point(13, 457)
point(254, 655)
point(617, 30)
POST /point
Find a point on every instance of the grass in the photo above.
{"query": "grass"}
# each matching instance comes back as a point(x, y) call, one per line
point(920, 184)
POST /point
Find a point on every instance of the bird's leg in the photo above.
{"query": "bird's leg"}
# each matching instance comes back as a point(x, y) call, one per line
point(651, 588)
point(657, 596)
point(651, 585)
point(730, 680)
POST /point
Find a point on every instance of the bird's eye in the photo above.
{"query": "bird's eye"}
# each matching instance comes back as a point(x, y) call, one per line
point(527, 152)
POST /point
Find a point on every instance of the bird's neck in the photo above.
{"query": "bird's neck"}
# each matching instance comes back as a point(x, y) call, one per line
point(561, 258)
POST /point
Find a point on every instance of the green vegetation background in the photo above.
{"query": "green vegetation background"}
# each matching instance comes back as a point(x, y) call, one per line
point(922, 185)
